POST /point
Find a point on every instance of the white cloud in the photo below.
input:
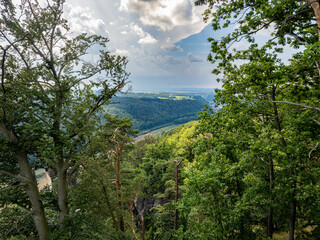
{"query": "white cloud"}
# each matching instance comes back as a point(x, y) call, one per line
point(146, 31)
point(145, 37)
point(137, 30)
point(172, 48)
point(148, 39)
point(122, 52)
point(82, 20)
point(164, 14)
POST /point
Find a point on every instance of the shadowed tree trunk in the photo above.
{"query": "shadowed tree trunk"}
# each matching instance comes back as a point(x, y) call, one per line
point(29, 183)
point(270, 211)
point(293, 203)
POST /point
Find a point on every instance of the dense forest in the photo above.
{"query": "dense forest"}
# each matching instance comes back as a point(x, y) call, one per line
point(148, 113)
point(247, 171)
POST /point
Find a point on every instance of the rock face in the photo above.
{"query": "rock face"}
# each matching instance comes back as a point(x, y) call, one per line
point(145, 206)
point(52, 174)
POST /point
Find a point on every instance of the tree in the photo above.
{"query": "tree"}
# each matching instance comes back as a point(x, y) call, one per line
point(47, 99)
point(251, 156)
point(105, 188)
point(291, 22)
point(120, 137)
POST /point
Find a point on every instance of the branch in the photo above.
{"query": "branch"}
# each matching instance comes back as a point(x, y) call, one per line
point(38, 23)
point(8, 134)
point(177, 161)
point(25, 209)
point(24, 60)
point(104, 98)
point(296, 104)
point(317, 122)
point(3, 67)
point(10, 174)
point(18, 177)
point(299, 39)
point(10, 187)
point(314, 149)
point(73, 170)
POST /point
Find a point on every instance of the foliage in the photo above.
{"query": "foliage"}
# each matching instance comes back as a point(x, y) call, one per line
point(156, 167)
point(149, 113)
point(49, 109)
point(249, 172)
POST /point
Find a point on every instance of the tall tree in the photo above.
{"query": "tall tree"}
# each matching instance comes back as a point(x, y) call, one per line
point(48, 104)
point(290, 22)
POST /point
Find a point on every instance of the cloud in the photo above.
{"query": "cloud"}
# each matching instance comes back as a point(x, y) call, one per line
point(164, 14)
point(82, 20)
point(122, 52)
point(192, 58)
point(149, 33)
point(145, 37)
point(148, 39)
point(172, 48)
point(137, 30)
point(166, 61)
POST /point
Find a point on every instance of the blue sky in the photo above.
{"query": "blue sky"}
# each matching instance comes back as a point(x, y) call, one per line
point(165, 40)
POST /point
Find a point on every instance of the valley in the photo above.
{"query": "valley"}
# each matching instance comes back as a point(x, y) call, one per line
point(153, 111)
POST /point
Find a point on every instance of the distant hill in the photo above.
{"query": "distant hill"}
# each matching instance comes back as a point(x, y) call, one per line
point(154, 110)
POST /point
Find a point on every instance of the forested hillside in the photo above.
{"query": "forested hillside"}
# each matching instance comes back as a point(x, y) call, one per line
point(148, 112)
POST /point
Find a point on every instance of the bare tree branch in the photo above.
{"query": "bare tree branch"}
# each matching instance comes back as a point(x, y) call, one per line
point(313, 149)
point(296, 104)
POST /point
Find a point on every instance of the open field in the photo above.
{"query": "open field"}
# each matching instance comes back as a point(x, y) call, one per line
point(156, 132)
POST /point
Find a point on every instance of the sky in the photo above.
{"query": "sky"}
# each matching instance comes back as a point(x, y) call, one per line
point(165, 41)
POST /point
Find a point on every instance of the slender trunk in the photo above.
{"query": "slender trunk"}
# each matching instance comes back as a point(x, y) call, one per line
point(143, 227)
point(115, 225)
point(293, 204)
point(61, 166)
point(271, 178)
point(119, 189)
point(293, 207)
point(29, 183)
point(62, 193)
point(270, 211)
point(133, 222)
point(176, 213)
point(32, 191)
point(175, 228)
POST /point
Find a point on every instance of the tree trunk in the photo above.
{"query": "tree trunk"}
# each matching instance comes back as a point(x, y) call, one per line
point(115, 225)
point(316, 9)
point(32, 191)
point(270, 211)
point(29, 182)
point(132, 221)
point(118, 182)
point(175, 228)
point(143, 227)
point(293, 204)
point(62, 193)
